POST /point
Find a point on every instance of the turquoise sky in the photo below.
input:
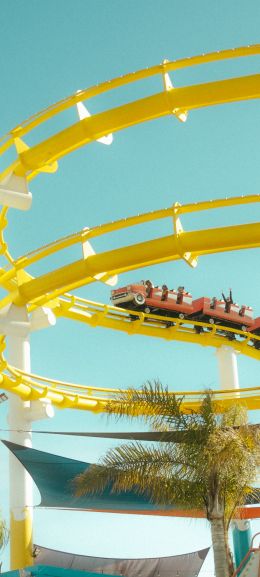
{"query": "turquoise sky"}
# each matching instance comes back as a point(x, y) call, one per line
point(49, 50)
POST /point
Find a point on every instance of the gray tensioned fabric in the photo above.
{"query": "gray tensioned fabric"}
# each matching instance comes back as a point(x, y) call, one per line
point(155, 436)
point(187, 565)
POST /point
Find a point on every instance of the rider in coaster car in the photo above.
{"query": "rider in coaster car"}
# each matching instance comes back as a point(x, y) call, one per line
point(213, 303)
point(228, 301)
point(242, 310)
point(149, 286)
point(165, 291)
point(180, 294)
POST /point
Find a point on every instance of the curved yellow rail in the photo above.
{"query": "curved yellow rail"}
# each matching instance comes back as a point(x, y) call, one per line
point(74, 396)
point(43, 156)
point(24, 289)
point(84, 235)
point(51, 288)
point(97, 314)
point(70, 395)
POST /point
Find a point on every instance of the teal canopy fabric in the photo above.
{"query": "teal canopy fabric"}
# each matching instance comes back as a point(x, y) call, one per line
point(48, 571)
point(54, 476)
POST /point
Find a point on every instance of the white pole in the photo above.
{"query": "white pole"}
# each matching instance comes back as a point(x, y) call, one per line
point(16, 325)
point(228, 374)
point(228, 370)
point(20, 480)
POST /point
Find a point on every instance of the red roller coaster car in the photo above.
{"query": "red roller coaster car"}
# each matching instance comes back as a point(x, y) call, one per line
point(217, 312)
point(255, 329)
point(143, 296)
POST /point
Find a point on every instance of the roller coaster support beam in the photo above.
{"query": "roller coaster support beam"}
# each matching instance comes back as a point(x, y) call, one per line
point(203, 242)
point(20, 482)
point(228, 371)
point(17, 325)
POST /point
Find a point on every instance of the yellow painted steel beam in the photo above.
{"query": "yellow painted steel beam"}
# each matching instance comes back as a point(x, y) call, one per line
point(43, 155)
point(23, 289)
point(87, 234)
point(151, 325)
point(167, 66)
point(149, 108)
point(70, 395)
point(105, 393)
point(9, 277)
point(28, 388)
point(151, 252)
point(130, 78)
point(21, 529)
point(94, 399)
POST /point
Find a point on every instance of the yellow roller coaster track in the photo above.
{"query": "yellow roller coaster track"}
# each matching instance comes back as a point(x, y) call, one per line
point(64, 395)
point(52, 288)
point(43, 156)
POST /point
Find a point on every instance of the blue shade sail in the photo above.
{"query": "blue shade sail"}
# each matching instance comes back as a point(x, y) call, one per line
point(54, 477)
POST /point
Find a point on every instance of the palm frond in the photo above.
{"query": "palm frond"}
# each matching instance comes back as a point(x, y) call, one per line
point(211, 460)
point(93, 480)
point(152, 472)
point(4, 534)
point(152, 403)
point(162, 409)
point(135, 465)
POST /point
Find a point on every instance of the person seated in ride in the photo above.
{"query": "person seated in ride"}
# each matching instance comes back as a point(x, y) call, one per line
point(149, 287)
point(165, 291)
point(213, 303)
point(180, 294)
point(242, 310)
point(228, 301)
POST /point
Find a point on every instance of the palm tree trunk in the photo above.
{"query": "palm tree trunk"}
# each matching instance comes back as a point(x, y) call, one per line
point(219, 547)
point(231, 566)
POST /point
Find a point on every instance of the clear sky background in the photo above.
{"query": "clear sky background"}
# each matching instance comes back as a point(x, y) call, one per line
point(49, 50)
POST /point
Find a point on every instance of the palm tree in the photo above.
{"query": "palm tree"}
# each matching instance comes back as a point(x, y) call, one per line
point(3, 534)
point(210, 463)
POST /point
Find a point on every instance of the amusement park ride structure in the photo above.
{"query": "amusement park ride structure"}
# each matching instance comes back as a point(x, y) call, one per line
point(31, 303)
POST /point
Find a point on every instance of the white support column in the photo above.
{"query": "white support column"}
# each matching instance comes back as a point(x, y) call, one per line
point(228, 374)
point(228, 370)
point(20, 481)
point(16, 324)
